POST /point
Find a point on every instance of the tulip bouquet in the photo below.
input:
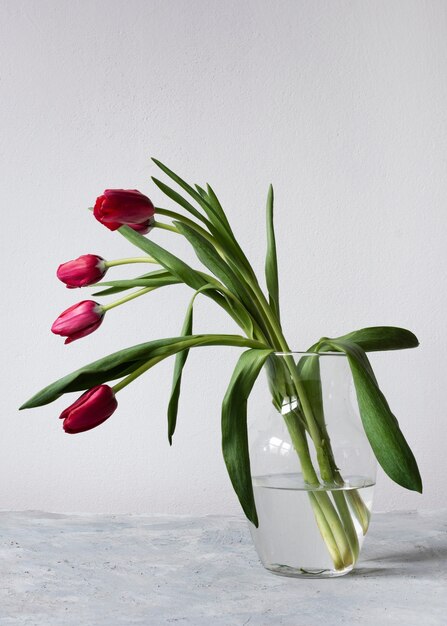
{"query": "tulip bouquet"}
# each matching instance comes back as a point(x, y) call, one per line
point(231, 283)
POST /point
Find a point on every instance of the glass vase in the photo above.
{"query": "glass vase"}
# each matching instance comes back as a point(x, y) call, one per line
point(313, 469)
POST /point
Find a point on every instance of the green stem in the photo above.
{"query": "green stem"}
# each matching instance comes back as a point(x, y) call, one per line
point(181, 218)
point(345, 515)
point(359, 509)
point(244, 269)
point(326, 532)
point(326, 514)
point(323, 461)
point(138, 372)
point(280, 341)
point(300, 444)
point(136, 294)
point(163, 226)
point(189, 342)
point(343, 530)
point(142, 259)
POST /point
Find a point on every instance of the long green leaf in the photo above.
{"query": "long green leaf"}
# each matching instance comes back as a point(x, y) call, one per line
point(206, 206)
point(210, 197)
point(234, 428)
point(378, 338)
point(213, 200)
point(125, 361)
point(235, 255)
point(184, 272)
point(381, 426)
point(218, 216)
point(218, 224)
point(116, 286)
point(181, 357)
point(179, 199)
point(208, 255)
point(180, 361)
point(271, 262)
point(202, 192)
point(173, 264)
point(309, 372)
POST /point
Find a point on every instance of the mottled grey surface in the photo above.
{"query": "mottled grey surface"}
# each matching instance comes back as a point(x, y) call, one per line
point(119, 570)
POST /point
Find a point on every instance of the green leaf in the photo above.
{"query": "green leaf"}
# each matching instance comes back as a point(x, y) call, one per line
point(208, 255)
point(159, 279)
point(179, 199)
point(271, 262)
point(237, 256)
point(278, 379)
point(214, 202)
point(218, 224)
point(377, 338)
point(309, 372)
point(180, 361)
point(125, 361)
point(202, 192)
point(173, 264)
point(211, 206)
point(181, 270)
point(234, 428)
point(182, 356)
point(190, 190)
point(381, 426)
point(240, 315)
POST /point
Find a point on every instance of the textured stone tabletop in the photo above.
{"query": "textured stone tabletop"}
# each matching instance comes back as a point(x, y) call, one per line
point(118, 570)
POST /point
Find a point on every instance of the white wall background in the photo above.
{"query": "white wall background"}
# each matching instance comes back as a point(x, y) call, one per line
point(341, 104)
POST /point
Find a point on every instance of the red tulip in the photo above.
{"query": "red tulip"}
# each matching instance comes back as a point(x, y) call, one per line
point(85, 270)
point(143, 228)
point(129, 207)
point(79, 320)
point(90, 410)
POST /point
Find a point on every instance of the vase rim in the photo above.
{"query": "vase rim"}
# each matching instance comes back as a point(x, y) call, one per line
point(307, 353)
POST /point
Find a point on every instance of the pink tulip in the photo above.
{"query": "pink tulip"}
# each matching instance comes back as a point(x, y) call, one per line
point(90, 410)
point(87, 269)
point(79, 320)
point(129, 207)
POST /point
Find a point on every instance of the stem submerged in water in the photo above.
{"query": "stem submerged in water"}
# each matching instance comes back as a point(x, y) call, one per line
point(337, 533)
point(334, 516)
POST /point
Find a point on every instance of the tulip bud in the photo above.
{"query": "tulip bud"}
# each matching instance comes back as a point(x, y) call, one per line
point(143, 228)
point(90, 410)
point(79, 320)
point(87, 269)
point(129, 207)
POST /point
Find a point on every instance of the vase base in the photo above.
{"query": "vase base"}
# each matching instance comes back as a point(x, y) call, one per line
point(301, 572)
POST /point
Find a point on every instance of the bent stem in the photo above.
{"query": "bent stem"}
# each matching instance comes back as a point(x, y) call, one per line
point(136, 294)
point(138, 372)
point(142, 259)
point(163, 226)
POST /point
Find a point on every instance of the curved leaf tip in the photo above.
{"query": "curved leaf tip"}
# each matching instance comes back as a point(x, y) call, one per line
point(234, 427)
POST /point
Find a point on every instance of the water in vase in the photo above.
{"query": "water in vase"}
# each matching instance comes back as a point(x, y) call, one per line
point(288, 539)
